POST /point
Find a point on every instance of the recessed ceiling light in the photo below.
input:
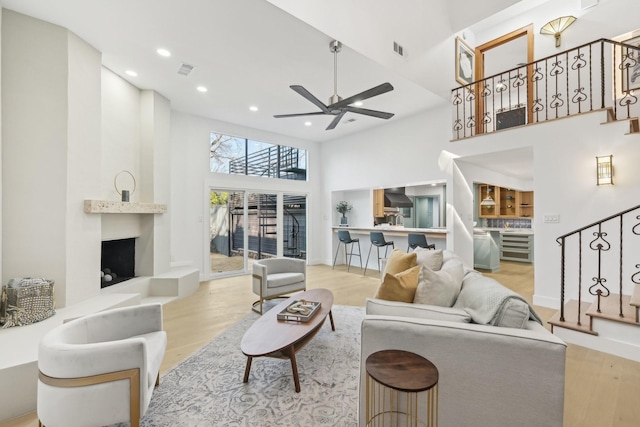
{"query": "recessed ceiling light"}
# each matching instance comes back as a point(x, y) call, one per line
point(201, 89)
point(358, 103)
point(253, 108)
point(308, 124)
point(131, 73)
point(163, 52)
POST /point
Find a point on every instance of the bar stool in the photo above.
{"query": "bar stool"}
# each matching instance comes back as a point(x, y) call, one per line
point(377, 240)
point(345, 237)
point(416, 240)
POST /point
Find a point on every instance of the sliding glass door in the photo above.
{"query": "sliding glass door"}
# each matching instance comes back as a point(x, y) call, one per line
point(246, 226)
point(226, 232)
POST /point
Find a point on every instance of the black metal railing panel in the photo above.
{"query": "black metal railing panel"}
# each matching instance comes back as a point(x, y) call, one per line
point(273, 162)
point(603, 258)
point(590, 77)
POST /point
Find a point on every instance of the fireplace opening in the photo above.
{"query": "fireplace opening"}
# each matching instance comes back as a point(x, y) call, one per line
point(118, 261)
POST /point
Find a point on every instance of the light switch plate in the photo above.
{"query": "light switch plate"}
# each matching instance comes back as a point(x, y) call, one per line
point(551, 218)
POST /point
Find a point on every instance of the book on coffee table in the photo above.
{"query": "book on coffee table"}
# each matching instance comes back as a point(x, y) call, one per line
point(299, 311)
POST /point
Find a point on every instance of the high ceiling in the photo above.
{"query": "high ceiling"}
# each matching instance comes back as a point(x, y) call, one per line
point(247, 53)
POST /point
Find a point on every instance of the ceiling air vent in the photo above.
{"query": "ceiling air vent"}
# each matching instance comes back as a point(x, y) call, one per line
point(185, 69)
point(399, 49)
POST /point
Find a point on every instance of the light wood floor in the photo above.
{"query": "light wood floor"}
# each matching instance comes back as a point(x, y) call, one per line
point(601, 390)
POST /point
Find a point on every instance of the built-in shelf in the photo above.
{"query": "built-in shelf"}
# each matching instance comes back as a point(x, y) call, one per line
point(107, 206)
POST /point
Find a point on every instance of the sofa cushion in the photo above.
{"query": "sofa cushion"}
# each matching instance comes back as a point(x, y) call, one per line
point(421, 311)
point(275, 280)
point(439, 287)
point(431, 258)
point(399, 287)
point(399, 261)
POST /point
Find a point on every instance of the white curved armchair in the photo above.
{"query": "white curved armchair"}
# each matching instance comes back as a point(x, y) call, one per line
point(275, 277)
point(101, 369)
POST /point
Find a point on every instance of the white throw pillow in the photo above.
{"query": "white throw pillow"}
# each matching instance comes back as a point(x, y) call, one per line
point(432, 258)
point(439, 287)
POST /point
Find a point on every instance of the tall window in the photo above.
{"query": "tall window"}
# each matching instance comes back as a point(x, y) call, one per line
point(242, 156)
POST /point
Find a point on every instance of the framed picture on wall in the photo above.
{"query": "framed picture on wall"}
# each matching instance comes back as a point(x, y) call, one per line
point(465, 62)
point(631, 73)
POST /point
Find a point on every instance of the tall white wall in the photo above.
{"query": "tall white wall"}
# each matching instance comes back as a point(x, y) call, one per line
point(51, 128)
point(190, 143)
point(83, 172)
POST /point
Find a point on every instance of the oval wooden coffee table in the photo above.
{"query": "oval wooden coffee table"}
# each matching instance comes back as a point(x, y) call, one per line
point(270, 337)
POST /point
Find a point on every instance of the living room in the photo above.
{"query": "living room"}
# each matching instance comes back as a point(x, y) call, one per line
point(180, 177)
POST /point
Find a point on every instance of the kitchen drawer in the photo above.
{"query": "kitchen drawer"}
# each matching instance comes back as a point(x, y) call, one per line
point(516, 247)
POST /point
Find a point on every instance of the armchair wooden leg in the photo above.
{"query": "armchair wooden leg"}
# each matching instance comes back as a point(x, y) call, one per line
point(158, 380)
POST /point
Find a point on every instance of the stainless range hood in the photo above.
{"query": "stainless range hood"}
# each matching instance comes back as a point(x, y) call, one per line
point(395, 198)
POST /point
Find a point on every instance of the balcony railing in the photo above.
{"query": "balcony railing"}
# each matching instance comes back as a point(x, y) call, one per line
point(597, 75)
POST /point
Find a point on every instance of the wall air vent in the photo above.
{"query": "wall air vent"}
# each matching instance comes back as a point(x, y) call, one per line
point(399, 49)
point(185, 69)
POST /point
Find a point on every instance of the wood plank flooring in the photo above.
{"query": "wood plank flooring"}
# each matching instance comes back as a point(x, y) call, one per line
point(601, 390)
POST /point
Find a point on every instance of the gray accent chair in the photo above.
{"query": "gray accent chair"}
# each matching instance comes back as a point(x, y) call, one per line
point(276, 277)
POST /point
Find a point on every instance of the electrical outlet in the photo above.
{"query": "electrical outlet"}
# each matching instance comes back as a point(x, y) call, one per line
point(551, 218)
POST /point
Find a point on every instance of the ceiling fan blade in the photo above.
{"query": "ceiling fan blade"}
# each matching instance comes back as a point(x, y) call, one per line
point(374, 91)
point(317, 113)
point(309, 97)
point(335, 121)
point(373, 113)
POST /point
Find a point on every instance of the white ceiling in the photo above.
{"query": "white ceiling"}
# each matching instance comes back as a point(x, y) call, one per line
point(246, 53)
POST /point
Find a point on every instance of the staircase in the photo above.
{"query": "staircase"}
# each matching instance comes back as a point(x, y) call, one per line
point(603, 277)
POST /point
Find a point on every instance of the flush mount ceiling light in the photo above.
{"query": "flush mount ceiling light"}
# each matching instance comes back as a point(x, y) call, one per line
point(557, 26)
point(131, 73)
point(163, 52)
point(307, 124)
point(604, 170)
point(253, 108)
point(201, 89)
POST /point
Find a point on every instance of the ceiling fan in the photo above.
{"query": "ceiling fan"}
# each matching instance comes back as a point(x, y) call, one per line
point(338, 107)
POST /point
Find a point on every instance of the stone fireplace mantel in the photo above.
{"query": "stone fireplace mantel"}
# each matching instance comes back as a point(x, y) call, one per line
point(107, 206)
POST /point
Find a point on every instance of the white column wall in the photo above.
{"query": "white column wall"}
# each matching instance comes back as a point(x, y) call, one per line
point(83, 170)
point(155, 120)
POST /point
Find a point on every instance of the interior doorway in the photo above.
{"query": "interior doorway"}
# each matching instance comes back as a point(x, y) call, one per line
point(508, 52)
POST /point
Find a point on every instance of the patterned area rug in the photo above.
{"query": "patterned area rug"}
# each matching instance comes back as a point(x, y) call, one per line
point(206, 389)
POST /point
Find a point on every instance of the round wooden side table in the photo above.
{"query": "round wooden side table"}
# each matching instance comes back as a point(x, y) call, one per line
point(395, 379)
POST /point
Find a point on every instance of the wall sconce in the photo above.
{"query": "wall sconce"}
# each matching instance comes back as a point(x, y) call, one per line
point(557, 26)
point(604, 170)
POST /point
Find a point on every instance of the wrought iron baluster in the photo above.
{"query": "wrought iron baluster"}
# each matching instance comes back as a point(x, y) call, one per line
point(620, 279)
point(599, 288)
point(579, 277)
point(471, 122)
point(577, 66)
point(537, 105)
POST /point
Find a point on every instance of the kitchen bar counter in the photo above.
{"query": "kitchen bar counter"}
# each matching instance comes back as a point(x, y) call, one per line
point(437, 236)
point(390, 230)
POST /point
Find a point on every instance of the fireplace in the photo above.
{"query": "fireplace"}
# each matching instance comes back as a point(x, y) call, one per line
point(118, 261)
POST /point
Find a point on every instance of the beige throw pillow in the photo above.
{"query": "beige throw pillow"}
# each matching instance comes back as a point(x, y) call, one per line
point(399, 287)
point(399, 261)
point(439, 287)
point(429, 257)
